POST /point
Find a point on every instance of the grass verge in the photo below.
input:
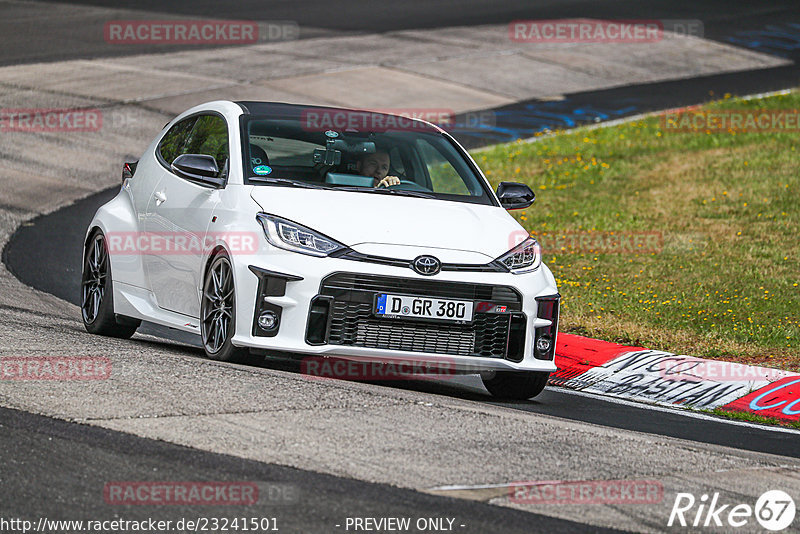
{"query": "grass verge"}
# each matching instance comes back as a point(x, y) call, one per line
point(684, 242)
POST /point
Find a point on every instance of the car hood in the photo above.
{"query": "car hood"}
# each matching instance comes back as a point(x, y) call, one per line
point(372, 223)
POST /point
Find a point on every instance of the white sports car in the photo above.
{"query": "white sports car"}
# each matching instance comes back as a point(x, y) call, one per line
point(276, 228)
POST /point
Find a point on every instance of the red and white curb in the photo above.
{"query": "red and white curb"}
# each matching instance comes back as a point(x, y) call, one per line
point(656, 377)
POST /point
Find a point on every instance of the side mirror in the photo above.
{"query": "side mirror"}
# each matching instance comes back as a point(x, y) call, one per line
point(198, 168)
point(515, 196)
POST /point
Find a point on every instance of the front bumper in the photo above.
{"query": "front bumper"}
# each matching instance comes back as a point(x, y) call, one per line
point(324, 307)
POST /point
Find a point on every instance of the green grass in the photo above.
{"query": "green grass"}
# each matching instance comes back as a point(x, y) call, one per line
point(723, 282)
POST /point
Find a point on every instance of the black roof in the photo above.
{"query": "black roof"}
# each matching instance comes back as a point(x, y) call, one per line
point(335, 115)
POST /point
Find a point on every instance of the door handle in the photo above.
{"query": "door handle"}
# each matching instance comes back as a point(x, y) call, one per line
point(160, 197)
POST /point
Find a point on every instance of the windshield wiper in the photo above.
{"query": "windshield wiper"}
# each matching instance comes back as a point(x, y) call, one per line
point(312, 185)
point(400, 192)
point(287, 181)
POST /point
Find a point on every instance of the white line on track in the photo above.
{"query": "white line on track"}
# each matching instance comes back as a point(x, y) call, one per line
point(678, 411)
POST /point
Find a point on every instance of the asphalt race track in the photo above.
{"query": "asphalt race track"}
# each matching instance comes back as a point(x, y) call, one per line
point(55, 269)
point(62, 464)
point(45, 31)
point(333, 450)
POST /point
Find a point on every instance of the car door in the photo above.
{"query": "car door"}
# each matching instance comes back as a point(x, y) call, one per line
point(179, 213)
point(129, 264)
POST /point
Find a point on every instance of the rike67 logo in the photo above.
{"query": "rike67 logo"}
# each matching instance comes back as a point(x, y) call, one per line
point(774, 510)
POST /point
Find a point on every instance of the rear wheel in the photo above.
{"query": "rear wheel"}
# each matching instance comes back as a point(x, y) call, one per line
point(516, 385)
point(218, 313)
point(97, 295)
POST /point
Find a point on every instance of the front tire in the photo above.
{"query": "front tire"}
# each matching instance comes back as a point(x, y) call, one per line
point(516, 385)
point(218, 313)
point(97, 294)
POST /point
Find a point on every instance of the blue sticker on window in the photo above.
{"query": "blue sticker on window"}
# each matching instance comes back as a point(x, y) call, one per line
point(262, 170)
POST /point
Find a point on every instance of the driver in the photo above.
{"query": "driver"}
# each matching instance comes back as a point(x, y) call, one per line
point(377, 166)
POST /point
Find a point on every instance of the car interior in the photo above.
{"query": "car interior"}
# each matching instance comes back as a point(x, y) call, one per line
point(341, 169)
point(423, 161)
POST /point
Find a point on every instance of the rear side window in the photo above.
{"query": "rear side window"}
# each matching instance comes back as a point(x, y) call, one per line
point(172, 144)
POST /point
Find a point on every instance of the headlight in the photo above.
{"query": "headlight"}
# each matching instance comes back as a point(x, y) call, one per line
point(289, 235)
point(524, 257)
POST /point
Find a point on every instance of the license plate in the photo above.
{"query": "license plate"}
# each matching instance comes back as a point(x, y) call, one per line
point(423, 308)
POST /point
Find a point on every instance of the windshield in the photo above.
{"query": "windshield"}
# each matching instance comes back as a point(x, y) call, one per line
point(376, 153)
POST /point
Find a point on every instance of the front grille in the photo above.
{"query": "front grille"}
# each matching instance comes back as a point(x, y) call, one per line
point(369, 283)
point(352, 322)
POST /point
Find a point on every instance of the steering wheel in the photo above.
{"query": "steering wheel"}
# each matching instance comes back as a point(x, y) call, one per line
point(408, 185)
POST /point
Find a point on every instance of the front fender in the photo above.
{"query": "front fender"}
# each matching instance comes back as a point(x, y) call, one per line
point(117, 219)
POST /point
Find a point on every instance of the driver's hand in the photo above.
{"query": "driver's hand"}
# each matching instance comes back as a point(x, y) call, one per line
point(389, 180)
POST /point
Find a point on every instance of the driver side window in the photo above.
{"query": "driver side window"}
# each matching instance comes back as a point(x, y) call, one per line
point(209, 136)
point(171, 145)
point(203, 134)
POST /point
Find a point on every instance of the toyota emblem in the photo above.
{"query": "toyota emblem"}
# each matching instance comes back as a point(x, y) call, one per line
point(427, 265)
